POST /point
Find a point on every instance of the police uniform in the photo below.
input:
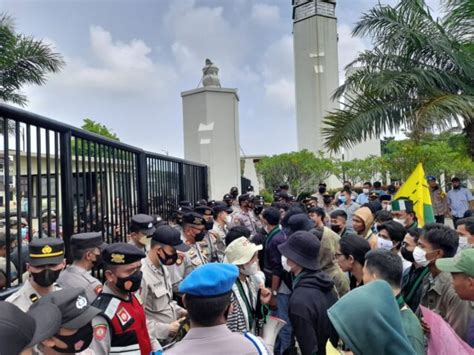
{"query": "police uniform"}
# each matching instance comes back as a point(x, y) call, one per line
point(76, 276)
point(126, 317)
point(156, 291)
point(209, 281)
point(43, 251)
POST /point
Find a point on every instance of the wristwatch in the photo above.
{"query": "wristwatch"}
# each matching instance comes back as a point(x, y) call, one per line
point(274, 293)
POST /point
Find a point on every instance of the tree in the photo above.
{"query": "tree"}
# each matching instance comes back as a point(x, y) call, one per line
point(23, 60)
point(98, 128)
point(419, 75)
point(358, 171)
point(301, 170)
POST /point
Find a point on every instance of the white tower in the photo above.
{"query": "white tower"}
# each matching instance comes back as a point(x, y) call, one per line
point(211, 131)
point(316, 68)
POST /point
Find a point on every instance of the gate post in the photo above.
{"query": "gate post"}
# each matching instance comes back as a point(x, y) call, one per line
point(142, 190)
point(67, 201)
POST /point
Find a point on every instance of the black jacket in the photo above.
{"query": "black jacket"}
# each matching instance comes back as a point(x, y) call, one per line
point(313, 294)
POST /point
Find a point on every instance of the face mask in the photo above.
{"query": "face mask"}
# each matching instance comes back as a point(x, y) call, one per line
point(228, 219)
point(24, 232)
point(131, 283)
point(419, 255)
point(365, 191)
point(327, 200)
point(77, 342)
point(200, 236)
point(169, 259)
point(407, 255)
point(401, 221)
point(342, 199)
point(98, 262)
point(284, 263)
point(463, 243)
point(322, 190)
point(209, 225)
point(384, 244)
point(250, 270)
point(336, 228)
point(53, 226)
point(258, 210)
point(46, 277)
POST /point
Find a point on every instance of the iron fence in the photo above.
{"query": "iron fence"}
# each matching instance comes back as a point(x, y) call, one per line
point(58, 180)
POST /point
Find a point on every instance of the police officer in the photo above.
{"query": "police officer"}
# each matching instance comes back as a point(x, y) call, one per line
point(209, 244)
point(82, 327)
point(119, 305)
point(141, 229)
point(222, 220)
point(86, 251)
point(156, 292)
point(177, 220)
point(45, 262)
point(246, 217)
point(207, 291)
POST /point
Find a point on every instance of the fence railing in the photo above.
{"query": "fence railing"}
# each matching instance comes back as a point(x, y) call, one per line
point(58, 180)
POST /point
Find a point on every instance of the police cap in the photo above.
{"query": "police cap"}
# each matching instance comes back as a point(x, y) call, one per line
point(204, 210)
point(121, 254)
point(169, 236)
point(194, 218)
point(88, 241)
point(142, 223)
point(210, 280)
point(46, 251)
point(220, 207)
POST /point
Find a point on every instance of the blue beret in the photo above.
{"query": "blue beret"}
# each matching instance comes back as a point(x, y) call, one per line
point(210, 280)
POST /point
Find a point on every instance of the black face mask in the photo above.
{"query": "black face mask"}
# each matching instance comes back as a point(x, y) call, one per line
point(83, 334)
point(131, 283)
point(200, 236)
point(407, 255)
point(257, 210)
point(336, 228)
point(46, 277)
point(327, 200)
point(169, 259)
point(98, 262)
point(322, 190)
point(209, 225)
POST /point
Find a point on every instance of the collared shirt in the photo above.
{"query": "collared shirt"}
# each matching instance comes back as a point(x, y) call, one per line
point(440, 296)
point(458, 201)
point(362, 198)
point(248, 220)
point(439, 201)
point(193, 258)
point(216, 340)
point(75, 276)
point(26, 296)
point(156, 293)
point(221, 232)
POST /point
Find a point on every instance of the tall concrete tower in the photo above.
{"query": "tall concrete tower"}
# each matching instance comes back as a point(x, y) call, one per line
point(316, 67)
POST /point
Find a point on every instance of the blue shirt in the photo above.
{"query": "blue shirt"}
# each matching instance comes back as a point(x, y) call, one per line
point(362, 199)
point(458, 201)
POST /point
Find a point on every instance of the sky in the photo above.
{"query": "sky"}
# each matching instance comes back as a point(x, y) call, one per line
point(129, 60)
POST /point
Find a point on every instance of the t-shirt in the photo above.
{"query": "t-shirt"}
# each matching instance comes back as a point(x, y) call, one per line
point(412, 327)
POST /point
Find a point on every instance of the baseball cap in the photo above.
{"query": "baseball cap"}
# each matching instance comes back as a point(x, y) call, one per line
point(241, 251)
point(461, 262)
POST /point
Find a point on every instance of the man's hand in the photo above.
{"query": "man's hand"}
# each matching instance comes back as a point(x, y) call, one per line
point(265, 295)
point(426, 328)
point(273, 303)
point(173, 327)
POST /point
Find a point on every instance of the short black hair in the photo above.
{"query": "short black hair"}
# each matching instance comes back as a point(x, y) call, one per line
point(469, 213)
point(468, 222)
point(377, 184)
point(383, 216)
point(235, 233)
point(206, 311)
point(442, 237)
point(318, 210)
point(386, 265)
point(395, 230)
point(355, 246)
point(415, 233)
point(339, 213)
point(293, 210)
point(368, 183)
point(271, 215)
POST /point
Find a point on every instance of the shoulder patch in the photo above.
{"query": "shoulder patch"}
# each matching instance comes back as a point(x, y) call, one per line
point(100, 331)
point(98, 289)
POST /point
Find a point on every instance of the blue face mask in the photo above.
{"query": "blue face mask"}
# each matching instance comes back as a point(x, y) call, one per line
point(24, 232)
point(342, 199)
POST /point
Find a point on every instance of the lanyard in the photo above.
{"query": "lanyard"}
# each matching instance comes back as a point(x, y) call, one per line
point(271, 235)
point(400, 301)
point(416, 284)
point(250, 310)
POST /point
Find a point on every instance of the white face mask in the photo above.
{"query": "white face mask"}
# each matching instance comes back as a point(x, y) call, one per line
point(250, 270)
point(228, 219)
point(463, 243)
point(420, 256)
point(384, 244)
point(401, 221)
point(284, 263)
point(365, 191)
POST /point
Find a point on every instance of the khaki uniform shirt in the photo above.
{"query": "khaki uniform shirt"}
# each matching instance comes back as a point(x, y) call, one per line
point(156, 293)
point(26, 296)
point(439, 296)
point(193, 258)
point(217, 340)
point(439, 201)
point(75, 276)
point(247, 219)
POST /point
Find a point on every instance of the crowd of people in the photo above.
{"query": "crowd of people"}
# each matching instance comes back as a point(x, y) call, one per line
point(326, 274)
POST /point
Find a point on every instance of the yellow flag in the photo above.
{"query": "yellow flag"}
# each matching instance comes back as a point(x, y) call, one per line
point(416, 189)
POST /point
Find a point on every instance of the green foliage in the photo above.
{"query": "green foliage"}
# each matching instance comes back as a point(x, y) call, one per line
point(419, 76)
point(98, 128)
point(359, 170)
point(301, 170)
point(23, 61)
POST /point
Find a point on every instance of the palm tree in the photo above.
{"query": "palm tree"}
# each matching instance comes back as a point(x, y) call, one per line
point(419, 76)
point(23, 60)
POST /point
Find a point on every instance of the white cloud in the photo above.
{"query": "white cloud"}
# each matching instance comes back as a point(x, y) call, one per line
point(281, 94)
point(278, 59)
point(265, 14)
point(348, 48)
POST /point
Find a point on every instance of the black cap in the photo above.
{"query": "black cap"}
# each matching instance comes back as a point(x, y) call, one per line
point(220, 207)
point(250, 188)
point(204, 210)
point(45, 251)
point(385, 198)
point(88, 241)
point(169, 236)
point(194, 218)
point(227, 197)
point(121, 254)
point(142, 223)
point(259, 200)
point(75, 309)
point(201, 202)
point(211, 203)
point(302, 248)
point(185, 204)
point(183, 210)
point(245, 197)
point(19, 330)
point(234, 189)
